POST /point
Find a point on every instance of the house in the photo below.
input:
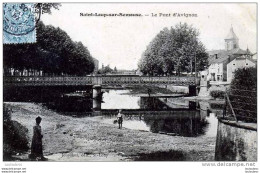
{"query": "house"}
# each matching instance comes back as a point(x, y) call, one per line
point(223, 63)
point(238, 62)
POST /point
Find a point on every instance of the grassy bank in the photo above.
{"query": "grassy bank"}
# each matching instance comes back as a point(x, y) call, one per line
point(67, 138)
point(15, 136)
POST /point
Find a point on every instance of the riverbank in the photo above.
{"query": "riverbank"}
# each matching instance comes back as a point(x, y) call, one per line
point(68, 138)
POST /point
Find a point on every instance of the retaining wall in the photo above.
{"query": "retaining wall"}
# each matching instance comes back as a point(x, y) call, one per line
point(236, 142)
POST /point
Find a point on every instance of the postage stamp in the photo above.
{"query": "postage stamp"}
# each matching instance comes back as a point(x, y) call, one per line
point(18, 23)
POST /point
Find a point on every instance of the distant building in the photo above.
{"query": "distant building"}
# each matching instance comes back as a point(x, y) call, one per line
point(236, 63)
point(223, 63)
point(231, 40)
point(125, 72)
point(96, 63)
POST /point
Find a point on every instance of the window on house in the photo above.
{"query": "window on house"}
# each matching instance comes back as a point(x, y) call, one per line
point(246, 63)
point(234, 64)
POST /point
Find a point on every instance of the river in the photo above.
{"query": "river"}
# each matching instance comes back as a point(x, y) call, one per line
point(170, 116)
point(150, 125)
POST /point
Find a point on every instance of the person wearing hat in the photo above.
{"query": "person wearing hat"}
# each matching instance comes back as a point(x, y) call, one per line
point(36, 147)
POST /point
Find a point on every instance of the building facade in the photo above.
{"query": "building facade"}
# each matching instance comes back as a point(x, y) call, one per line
point(221, 62)
point(239, 62)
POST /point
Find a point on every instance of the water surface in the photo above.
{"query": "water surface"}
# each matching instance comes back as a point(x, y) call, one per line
point(170, 116)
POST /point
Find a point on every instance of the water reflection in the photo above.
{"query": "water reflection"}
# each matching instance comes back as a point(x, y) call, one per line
point(188, 123)
point(118, 99)
point(184, 123)
point(172, 116)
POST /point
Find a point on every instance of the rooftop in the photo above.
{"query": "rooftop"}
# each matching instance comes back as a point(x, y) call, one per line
point(222, 55)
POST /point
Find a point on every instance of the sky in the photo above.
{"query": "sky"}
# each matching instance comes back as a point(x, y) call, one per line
point(120, 41)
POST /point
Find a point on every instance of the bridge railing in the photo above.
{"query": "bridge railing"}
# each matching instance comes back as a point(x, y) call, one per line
point(97, 80)
point(148, 80)
point(43, 80)
point(110, 80)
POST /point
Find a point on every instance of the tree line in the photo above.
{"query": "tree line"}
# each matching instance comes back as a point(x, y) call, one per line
point(54, 53)
point(174, 51)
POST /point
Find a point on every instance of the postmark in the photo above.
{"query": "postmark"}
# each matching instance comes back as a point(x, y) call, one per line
point(19, 23)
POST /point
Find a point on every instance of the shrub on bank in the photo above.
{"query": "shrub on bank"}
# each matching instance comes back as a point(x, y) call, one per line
point(217, 106)
point(217, 94)
point(243, 95)
point(14, 135)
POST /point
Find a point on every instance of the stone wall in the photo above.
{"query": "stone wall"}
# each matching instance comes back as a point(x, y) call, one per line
point(236, 142)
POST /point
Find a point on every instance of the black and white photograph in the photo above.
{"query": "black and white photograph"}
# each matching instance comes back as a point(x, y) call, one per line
point(130, 82)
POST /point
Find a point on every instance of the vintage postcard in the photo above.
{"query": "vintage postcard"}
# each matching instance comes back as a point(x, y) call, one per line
point(126, 82)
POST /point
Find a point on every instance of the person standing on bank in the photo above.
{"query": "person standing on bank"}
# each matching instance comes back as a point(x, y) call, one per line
point(120, 119)
point(36, 147)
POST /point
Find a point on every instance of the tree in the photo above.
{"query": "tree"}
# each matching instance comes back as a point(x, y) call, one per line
point(174, 49)
point(54, 53)
point(151, 61)
point(42, 8)
point(105, 70)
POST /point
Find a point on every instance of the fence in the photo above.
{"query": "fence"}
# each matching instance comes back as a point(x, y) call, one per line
point(241, 105)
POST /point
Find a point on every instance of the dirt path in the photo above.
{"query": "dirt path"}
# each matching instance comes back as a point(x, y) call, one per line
point(86, 139)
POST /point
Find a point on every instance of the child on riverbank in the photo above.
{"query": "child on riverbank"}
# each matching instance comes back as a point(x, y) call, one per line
point(120, 119)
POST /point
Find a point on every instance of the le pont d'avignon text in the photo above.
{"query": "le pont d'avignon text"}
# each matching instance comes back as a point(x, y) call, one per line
point(138, 15)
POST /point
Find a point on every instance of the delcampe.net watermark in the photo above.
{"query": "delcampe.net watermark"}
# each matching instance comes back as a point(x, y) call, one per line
point(231, 164)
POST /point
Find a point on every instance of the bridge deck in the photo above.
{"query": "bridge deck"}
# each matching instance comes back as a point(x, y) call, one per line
point(96, 80)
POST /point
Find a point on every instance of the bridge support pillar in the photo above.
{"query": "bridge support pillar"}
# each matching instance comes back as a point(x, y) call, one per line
point(204, 85)
point(97, 97)
point(192, 90)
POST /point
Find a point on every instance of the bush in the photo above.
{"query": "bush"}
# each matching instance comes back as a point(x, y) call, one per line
point(243, 94)
point(217, 94)
point(217, 106)
point(245, 79)
point(6, 113)
point(14, 135)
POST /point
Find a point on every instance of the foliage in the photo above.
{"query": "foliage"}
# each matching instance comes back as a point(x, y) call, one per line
point(106, 70)
point(6, 113)
point(174, 49)
point(54, 53)
point(14, 135)
point(217, 94)
point(217, 106)
point(245, 79)
point(43, 8)
point(243, 94)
